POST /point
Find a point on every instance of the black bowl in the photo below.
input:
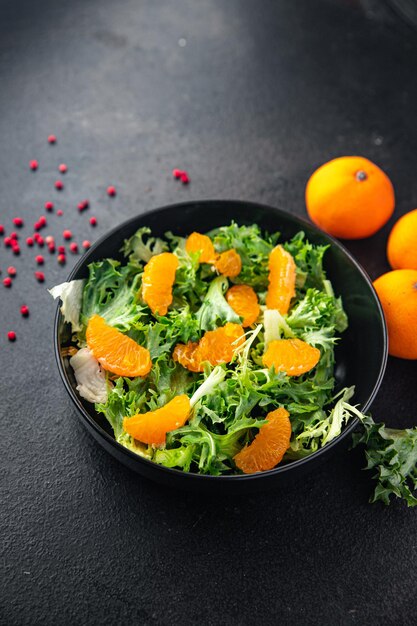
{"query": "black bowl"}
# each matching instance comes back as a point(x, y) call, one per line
point(360, 356)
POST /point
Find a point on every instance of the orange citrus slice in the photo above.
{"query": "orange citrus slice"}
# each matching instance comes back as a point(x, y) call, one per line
point(292, 356)
point(228, 263)
point(115, 351)
point(152, 427)
point(244, 302)
point(203, 244)
point(158, 280)
point(281, 287)
point(216, 346)
point(269, 445)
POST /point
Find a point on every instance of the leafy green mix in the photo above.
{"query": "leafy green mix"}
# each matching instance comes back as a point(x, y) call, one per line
point(232, 400)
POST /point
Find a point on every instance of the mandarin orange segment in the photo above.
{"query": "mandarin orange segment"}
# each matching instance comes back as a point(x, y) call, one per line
point(292, 356)
point(244, 302)
point(115, 351)
point(203, 244)
point(158, 280)
point(269, 445)
point(229, 263)
point(281, 287)
point(152, 427)
point(185, 354)
point(216, 346)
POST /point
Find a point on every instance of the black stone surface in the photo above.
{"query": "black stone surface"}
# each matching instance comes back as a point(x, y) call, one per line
point(261, 94)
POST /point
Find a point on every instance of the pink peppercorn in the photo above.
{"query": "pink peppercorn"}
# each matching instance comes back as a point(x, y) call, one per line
point(37, 226)
point(49, 239)
point(60, 212)
point(40, 277)
point(49, 206)
point(11, 270)
point(67, 234)
point(16, 249)
point(176, 172)
point(42, 221)
point(184, 178)
point(63, 168)
point(14, 236)
point(61, 258)
point(18, 221)
point(36, 236)
point(59, 185)
point(61, 249)
point(111, 190)
point(93, 221)
point(7, 282)
point(51, 247)
point(39, 259)
point(51, 139)
point(24, 310)
point(86, 244)
point(33, 164)
point(1, 229)
point(30, 241)
point(40, 241)
point(11, 335)
point(8, 242)
point(73, 247)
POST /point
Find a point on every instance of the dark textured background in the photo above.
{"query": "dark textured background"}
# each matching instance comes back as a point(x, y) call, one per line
point(262, 93)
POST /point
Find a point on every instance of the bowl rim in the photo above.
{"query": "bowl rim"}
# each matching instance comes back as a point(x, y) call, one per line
point(155, 467)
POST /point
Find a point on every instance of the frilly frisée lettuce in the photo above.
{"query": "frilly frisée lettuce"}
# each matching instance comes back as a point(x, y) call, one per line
point(229, 399)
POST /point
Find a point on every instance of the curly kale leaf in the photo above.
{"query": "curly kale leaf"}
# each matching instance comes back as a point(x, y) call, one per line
point(215, 308)
point(253, 248)
point(392, 454)
point(112, 291)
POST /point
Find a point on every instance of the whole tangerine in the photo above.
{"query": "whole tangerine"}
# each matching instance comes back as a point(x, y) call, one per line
point(350, 197)
point(397, 292)
point(402, 243)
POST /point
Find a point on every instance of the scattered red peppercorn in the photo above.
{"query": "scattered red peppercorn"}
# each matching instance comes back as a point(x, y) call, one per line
point(11, 270)
point(36, 236)
point(42, 221)
point(16, 249)
point(40, 277)
point(51, 247)
point(184, 178)
point(49, 239)
point(67, 234)
point(61, 249)
point(83, 205)
point(86, 244)
point(111, 190)
point(11, 335)
point(93, 221)
point(51, 139)
point(63, 168)
point(49, 206)
point(73, 247)
point(61, 258)
point(24, 310)
point(40, 241)
point(176, 172)
point(18, 221)
point(1, 229)
point(59, 185)
point(7, 282)
point(8, 242)
point(30, 241)
point(33, 164)
point(39, 259)
point(14, 236)
point(60, 212)
point(37, 226)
